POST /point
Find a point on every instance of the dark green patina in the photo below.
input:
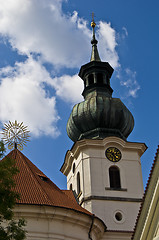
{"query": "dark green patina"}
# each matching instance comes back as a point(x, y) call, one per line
point(99, 115)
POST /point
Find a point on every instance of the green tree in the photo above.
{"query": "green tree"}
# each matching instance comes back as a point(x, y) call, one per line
point(10, 229)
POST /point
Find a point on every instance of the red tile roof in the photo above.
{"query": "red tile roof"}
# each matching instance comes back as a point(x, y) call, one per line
point(36, 189)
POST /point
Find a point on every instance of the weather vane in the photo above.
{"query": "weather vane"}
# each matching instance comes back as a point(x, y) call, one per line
point(15, 135)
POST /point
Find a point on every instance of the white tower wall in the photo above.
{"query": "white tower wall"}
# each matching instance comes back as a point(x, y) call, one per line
point(90, 161)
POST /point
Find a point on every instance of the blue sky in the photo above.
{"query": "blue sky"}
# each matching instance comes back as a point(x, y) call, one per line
point(43, 44)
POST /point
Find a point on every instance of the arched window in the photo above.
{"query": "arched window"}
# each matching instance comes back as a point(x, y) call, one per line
point(71, 186)
point(78, 183)
point(114, 177)
point(73, 168)
point(100, 78)
point(90, 79)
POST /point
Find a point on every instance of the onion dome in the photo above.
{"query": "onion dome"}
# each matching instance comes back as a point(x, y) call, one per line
point(99, 115)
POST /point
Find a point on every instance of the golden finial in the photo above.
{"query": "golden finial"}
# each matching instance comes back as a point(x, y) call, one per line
point(15, 135)
point(94, 54)
point(93, 24)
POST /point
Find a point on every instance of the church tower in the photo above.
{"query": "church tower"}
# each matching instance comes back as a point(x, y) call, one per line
point(102, 167)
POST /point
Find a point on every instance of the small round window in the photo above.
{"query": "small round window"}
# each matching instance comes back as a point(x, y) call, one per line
point(73, 168)
point(118, 216)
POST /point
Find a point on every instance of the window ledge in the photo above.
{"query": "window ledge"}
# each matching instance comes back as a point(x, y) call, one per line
point(116, 189)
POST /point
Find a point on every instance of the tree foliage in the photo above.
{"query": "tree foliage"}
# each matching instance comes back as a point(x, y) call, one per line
point(10, 229)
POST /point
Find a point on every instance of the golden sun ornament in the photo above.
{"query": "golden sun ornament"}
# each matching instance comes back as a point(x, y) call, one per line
point(15, 135)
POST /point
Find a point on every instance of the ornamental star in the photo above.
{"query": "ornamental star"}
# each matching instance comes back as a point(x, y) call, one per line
point(15, 135)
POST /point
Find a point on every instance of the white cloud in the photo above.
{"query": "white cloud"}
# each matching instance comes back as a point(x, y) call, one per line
point(125, 32)
point(41, 27)
point(128, 80)
point(107, 44)
point(25, 95)
point(69, 88)
point(23, 98)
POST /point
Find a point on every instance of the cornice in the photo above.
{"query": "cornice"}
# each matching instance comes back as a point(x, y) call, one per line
point(99, 143)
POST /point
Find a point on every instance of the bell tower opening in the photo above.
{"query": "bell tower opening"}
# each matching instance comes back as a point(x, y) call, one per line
point(100, 78)
point(90, 79)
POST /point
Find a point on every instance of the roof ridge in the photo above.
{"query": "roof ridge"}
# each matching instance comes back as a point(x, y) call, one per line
point(34, 177)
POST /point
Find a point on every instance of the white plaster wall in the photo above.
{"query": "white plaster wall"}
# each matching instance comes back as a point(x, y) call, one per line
point(72, 177)
point(91, 162)
point(96, 168)
point(57, 223)
point(106, 211)
point(93, 166)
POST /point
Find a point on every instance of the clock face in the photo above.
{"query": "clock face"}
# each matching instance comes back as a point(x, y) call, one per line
point(113, 154)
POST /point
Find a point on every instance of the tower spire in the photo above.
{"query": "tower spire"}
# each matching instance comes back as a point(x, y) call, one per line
point(94, 54)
